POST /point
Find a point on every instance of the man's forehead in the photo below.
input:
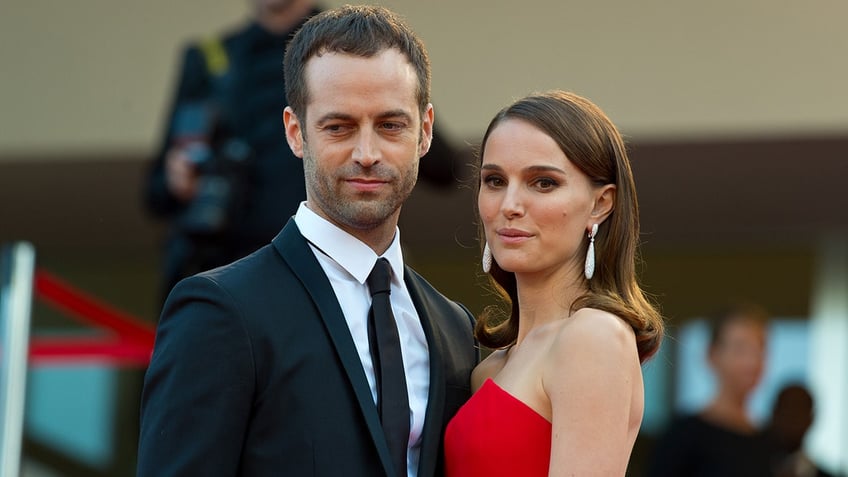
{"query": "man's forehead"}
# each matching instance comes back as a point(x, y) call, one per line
point(343, 78)
point(390, 56)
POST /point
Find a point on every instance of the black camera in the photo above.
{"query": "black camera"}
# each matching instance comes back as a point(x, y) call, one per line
point(223, 164)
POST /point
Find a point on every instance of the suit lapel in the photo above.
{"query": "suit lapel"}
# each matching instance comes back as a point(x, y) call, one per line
point(296, 252)
point(430, 442)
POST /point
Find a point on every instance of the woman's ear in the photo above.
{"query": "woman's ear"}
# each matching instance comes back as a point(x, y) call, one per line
point(604, 203)
point(294, 131)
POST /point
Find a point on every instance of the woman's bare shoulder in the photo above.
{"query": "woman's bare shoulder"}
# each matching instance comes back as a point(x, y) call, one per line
point(596, 328)
point(592, 379)
point(488, 368)
point(592, 337)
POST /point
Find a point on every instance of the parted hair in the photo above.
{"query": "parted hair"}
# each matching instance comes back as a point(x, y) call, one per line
point(360, 30)
point(593, 144)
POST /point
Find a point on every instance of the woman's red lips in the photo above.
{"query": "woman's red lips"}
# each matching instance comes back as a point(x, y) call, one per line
point(507, 235)
point(513, 233)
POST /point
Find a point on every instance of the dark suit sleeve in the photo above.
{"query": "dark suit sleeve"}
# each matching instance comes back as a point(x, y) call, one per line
point(199, 387)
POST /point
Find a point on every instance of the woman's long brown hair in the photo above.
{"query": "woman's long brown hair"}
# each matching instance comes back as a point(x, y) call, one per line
point(593, 144)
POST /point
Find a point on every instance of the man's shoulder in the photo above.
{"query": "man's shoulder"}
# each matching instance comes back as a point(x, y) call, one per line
point(235, 33)
point(253, 266)
point(217, 45)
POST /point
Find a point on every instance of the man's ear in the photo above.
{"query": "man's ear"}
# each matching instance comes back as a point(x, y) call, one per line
point(294, 131)
point(604, 203)
point(426, 131)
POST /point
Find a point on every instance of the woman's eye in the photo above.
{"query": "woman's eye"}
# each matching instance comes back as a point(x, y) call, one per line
point(493, 181)
point(545, 183)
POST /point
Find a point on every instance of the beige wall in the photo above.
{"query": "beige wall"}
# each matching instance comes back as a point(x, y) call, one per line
point(94, 75)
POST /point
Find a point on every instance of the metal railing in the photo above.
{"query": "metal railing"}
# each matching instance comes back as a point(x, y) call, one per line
point(17, 268)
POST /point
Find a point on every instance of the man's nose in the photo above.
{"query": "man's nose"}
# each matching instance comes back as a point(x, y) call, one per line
point(367, 149)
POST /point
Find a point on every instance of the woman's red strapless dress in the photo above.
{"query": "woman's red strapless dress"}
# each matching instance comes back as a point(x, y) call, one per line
point(494, 434)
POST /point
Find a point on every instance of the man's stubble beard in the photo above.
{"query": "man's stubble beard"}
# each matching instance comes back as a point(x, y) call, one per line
point(358, 213)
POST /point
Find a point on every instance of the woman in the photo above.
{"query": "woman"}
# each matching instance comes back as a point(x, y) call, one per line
point(562, 392)
point(721, 440)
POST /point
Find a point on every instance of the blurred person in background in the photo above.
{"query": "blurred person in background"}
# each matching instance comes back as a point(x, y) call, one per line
point(721, 440)
point(224, 177)
point(791, 418)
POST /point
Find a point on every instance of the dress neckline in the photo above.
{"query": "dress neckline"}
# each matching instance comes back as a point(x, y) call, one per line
point(521, 403)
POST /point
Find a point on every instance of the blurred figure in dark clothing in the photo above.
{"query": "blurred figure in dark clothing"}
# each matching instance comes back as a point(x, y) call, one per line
point(721, 440)
point(791, 418)
point(224, 177)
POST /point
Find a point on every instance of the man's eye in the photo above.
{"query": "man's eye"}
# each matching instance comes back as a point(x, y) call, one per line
point(336, 129)
point(392, 126)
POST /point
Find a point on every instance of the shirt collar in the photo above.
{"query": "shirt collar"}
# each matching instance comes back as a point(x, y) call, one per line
point(347, 251)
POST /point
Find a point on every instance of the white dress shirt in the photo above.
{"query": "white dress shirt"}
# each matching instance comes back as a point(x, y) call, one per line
point(347, 262)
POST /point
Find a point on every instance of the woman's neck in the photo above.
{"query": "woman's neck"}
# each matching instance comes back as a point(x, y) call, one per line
point(545, 298)
point(728, 409)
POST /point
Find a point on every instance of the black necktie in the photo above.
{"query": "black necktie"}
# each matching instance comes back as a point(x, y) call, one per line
point(392, 399)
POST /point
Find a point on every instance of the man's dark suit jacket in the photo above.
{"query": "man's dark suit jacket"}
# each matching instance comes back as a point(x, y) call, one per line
point(255, 373)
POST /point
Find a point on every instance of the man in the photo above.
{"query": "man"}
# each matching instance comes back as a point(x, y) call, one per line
point(264, 367)
point(224, 177)
point(791, 417)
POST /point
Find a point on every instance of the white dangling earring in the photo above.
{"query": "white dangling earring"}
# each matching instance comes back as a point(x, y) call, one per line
point(589, 269)
point(487, 258)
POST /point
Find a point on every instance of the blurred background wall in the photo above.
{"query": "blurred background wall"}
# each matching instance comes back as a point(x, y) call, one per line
point(735, 113)
point(94, 76)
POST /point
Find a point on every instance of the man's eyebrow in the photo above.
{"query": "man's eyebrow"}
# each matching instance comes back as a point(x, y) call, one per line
point(395, 113)
point(333, 116)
